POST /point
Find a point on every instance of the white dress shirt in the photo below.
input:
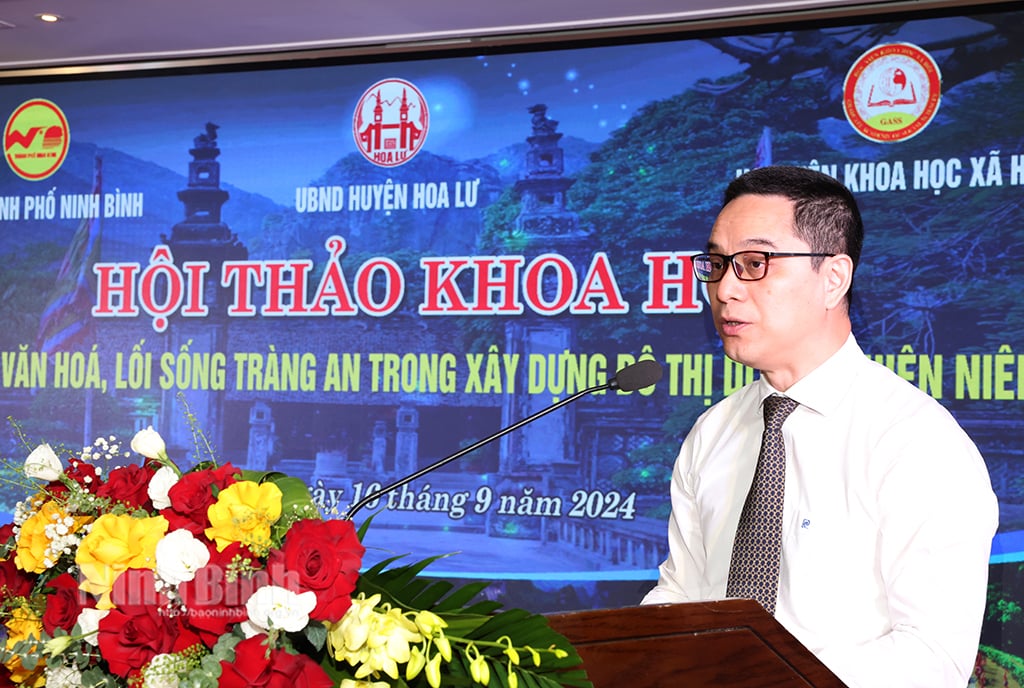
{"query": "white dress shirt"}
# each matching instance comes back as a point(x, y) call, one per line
point(887, 526)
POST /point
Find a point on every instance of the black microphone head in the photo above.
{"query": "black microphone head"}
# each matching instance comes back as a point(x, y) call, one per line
point(643, 373)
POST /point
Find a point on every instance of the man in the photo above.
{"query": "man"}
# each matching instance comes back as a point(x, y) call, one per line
point(888, 513)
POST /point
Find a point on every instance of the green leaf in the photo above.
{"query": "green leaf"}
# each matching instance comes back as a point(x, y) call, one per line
point(527, 679)
point(462, 596)
point(260, 476)
point(316, 634)
point(482, 622)
point(498, 672)
point(96, 677)
point(337, 671)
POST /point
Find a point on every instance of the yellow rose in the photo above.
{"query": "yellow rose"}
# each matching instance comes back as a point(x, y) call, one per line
point(115, 543)
point(244, 512)
point(33, 542)
point(24, 624)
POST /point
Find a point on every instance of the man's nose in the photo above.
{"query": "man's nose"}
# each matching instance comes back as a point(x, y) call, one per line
point(730, 286)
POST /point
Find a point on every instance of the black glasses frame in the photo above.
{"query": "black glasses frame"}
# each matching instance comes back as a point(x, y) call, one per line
point(731, 259)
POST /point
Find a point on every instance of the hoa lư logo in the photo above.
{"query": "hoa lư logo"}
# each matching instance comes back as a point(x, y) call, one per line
point(36, 139)
point(892, 92)
point(390, 122)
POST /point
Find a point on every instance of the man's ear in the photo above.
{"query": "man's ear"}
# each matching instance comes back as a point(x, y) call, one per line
point(838, 279)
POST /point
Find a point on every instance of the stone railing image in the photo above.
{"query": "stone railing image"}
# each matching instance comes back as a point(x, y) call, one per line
point(638, 544)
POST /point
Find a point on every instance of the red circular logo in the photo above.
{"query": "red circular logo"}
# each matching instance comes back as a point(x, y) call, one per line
point(892, 92)
point(36, 139)
point(390, 122)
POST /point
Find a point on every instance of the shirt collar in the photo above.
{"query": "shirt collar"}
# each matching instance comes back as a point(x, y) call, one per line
point(823, 388)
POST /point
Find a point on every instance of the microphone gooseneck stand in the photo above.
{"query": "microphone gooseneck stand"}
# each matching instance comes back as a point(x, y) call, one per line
point(636, 376)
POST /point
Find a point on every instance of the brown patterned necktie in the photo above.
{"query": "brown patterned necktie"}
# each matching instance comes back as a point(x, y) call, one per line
point(757, 550)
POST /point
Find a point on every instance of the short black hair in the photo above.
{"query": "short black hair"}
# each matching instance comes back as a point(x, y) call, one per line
point(825, 213)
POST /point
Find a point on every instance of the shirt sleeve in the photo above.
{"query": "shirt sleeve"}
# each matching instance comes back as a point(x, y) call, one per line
point(680, 573)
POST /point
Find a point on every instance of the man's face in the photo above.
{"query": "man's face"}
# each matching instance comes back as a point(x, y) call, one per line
point(776, 324)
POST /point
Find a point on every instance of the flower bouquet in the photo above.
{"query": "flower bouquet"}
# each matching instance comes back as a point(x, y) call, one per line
point(145, 575)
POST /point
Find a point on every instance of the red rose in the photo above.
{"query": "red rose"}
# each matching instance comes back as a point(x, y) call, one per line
point(5, 678)
point(323, 557)
point(193, 494)
point(128, 485)
point(64, 604)
point(84, 474)
point(13, 581)
point(215, 600)
point(255, 666)
point(141, 626)
point(56, 490)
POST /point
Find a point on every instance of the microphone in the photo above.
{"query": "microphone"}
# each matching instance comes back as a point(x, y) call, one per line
point(636, 376)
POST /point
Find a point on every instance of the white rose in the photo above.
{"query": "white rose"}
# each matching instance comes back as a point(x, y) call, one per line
point(275, 607)
point(179, 555)
point(89, 623)
point(43, 464)
point(160, 484)
point(249, 629)
point(149, 443)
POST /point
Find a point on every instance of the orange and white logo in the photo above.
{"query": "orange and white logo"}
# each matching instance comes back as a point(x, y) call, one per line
point(36, 139)
point(390, 122)
point(892, 92)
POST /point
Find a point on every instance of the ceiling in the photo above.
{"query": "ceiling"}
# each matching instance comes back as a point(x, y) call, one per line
point(95, 32)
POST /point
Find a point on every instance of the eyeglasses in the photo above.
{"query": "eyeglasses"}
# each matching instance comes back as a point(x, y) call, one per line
point(749, 266)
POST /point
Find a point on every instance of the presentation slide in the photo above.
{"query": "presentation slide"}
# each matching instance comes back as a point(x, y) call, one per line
point(347, 270)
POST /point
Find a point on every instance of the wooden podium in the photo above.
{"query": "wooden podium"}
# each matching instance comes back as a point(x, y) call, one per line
point(731, 643)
